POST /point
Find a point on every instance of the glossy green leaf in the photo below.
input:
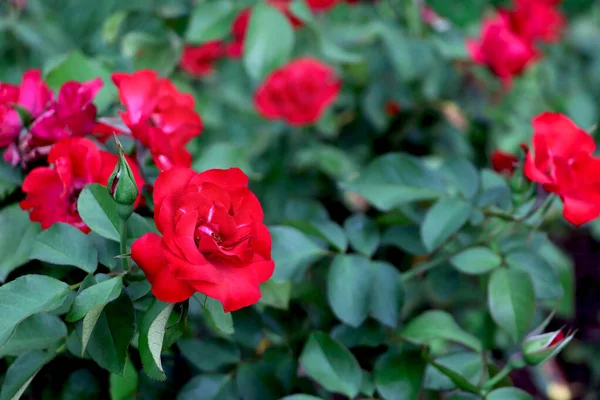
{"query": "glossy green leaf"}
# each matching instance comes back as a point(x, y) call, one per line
point(209, 355)
point(349, 285)
point(511, 300)
point(436, 324)
point(263, 51)
point(387, 294)
point(399, 377)
point(362, 233)
point(22, 371)
point(507, 393)
point(209, 387)
point(276, 294)
point(443, 220)
point(38, 332)
point(99, 211)
point(95, 295)
point(152, 333)
point(17, 235)
point(124, 387)
point(65, 245)
point(301, 397)
point(210, 21)
point(476, 260)
point(546, 283)
point(26, 296)
point(405, 237)
point(216, 314)
point(10, 179)
point(331, 365)
point(292, 252)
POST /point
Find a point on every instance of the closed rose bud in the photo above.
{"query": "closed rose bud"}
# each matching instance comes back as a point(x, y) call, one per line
point(122, 185)
point(539, 348)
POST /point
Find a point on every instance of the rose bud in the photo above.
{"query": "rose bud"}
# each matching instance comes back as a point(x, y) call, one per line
point(539, 348)
point(122, 185)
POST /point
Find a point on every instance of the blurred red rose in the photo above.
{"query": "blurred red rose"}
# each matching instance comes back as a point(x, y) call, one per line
point(564, 165)
point(214, 240)
point(298, 92)
point(199, 60)
point(392, 108)
point(503, 162)
point(238, 32)
point(504, 52)
point(536, 20)
point(321, 5)
point(284, 7)
point(52, 192)
point(157, 114)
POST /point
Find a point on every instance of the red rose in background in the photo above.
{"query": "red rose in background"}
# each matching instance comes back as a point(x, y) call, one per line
point(284, 7)
point(536, 20)
point(298, 92)
point(214, 240)
point(33, 95)
point(158, 115)
point(563, 163)
point(238, 31)
point(503, 162)
point(52, 192)
point(321, 5)
point(504, 52)
point(392, 108)
point(199, 60)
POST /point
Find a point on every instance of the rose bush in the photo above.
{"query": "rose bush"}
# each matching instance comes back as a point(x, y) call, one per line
point(307, 199)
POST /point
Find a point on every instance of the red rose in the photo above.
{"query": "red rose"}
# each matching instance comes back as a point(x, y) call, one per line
point(392, 108)
point(199, 60)
point(504, 52)
point(536, 20)
point(299, 92)
point(503, 162)
point(563, 163)
point(284, 7)
point(157, 114)
point(321, 5)
point(238, 31)
point(52, 192)
point(213, 242)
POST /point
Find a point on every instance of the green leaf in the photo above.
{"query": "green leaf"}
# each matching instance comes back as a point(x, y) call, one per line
point(17, 235)
point(263, 51)
point(511, 301)
point(331, 365)
point(405, 237)
point(466, 364)
point(94, 296)
point(88, 324)
point(546, 283)
point(257, 381)
point(461, 14)
point(111, 334)
point(292, 252)
point(25, 296)
point(38, 332)
point(22, 371)
point(209, 387)
point(301, 397)
point(99, 211)
point(349, 285)
point(436, 324)
point(64, 244)
point(216, 314)
point(461, 176)
point(146, 51)
point(210, 21)
point(387, 295)
point(363, 234)
point(443, 220)
point(476, 260)
point(77, 67)
point(456, 378)
point(326, 230)
point(107, 250)
point(10, 179)
point(276, 294)
point(564, 267)
point(399, 377)
point(222, 156)
point(152, 333)
point(395, 179)
point(209, 355)
point(124, 387)
point(508, 393)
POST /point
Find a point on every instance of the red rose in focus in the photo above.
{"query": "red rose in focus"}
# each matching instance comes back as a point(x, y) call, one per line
point(238, 31)
point(536, 20)
point(504, 52)
point(564, 165)
point(214, 240)
point(199, 60)
point(158, 115)
point(52, 192)
point(392, 108)
point(33, 95)
point(504, 163)
point(298, 92)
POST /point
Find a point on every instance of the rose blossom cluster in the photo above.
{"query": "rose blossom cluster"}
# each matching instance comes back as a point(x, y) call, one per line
point(507, 43)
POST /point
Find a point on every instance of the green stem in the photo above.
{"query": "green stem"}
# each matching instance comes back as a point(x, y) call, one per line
point(123, 243)
point(424, 267)
point(504, 372)
point(413, 17)
point(75, 286)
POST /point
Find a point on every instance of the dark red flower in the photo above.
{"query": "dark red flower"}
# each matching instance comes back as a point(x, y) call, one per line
point(157, 114)
point(536, 20)
point(564, 165)
point(504, 52)
point(199, 60)
point(503, 162)
point(298, 92)
point(52, 192)
point(392, 108)
point(214, 240)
